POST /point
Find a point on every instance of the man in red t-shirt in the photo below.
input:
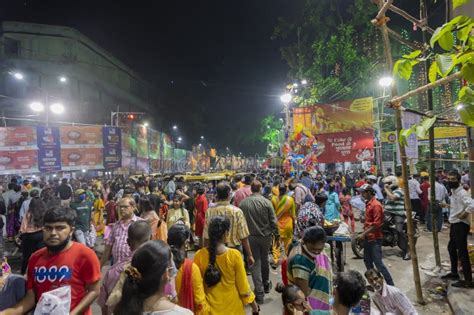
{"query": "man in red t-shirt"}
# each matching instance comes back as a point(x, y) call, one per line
point(372, 234)
point(61, 263)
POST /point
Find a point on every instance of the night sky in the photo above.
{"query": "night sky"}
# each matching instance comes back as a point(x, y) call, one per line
point(214, 64)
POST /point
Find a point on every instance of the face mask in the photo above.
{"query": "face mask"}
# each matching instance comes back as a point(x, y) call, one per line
point(453, 185)
point(378, 288)
point(59, 247)
point(308, 252)
point(82, 197)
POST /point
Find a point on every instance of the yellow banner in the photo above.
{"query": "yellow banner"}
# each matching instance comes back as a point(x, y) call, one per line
point(340, 116)
point(439, 133)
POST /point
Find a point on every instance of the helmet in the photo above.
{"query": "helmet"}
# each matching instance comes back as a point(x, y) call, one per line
point(391, 180)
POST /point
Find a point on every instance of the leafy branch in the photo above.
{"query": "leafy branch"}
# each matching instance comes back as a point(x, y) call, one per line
point(451, 54)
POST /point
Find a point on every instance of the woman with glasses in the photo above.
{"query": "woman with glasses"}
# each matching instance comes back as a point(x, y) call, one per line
point(144, 287)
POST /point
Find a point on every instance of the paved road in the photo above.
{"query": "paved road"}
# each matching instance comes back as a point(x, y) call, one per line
point(401, 271)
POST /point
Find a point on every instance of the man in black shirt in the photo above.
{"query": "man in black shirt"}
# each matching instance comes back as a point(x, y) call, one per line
point(65, 193)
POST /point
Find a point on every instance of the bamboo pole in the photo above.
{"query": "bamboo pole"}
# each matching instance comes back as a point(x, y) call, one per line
point(394, 102)
point(423, 23)
point(405, 42)
point(398, 122)
point(433, 205)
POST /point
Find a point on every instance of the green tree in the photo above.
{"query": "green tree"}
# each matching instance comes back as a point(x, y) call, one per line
point(270, 128)
point(332, 45)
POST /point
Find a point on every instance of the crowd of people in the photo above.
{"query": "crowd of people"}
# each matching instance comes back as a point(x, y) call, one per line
point(148, 226)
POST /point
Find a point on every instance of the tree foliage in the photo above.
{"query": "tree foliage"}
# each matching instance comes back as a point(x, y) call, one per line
point(270, 128)
point(332, 45)
point(451, 48)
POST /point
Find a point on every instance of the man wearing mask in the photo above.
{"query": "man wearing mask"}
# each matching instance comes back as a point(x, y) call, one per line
point(372, 234)
point(395, 206)
point(84, 212)
point(61, 263)
point(461, 205)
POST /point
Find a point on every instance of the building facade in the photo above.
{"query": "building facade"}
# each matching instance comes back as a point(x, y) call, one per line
point(59, 64)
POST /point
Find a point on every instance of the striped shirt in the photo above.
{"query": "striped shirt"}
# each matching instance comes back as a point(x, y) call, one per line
point(238, 225)
point(393, 301)
point(118, 240)
point(396, 206)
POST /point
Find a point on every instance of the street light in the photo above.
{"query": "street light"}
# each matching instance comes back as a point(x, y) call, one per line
point(175, 127)
point(385, 81)
point(285, 98)
point(180, 139)
point(57, 108)
point(202, 137)
point(145, 124)
point(37, 106)
point(62, 79)
point(17, 75)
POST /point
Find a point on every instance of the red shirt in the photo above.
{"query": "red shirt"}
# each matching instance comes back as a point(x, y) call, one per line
point(374, 217)
point(76, 266)
point(360, 183)
point(201, 208)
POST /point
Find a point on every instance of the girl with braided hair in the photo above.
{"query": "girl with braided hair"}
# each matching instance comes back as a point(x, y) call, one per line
point(144, 287)
point(189, 283)
point(225, 281)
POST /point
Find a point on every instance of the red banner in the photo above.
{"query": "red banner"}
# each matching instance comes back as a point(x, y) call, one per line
point(355, 146)
point(81, 136)
point(21, 138)
point(81, 158)
point(24, 161)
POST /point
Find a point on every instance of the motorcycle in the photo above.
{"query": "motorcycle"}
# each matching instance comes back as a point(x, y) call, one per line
point(390, 235)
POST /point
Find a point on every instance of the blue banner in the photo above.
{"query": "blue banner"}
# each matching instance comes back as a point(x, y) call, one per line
point(112, 147)
point(49, 149)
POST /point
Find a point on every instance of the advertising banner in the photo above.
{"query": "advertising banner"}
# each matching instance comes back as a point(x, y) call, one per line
point(17, 138)
point(355, 146)
point(17, 162)
point(167, 147)
point(154, 144)
point(142, 165)
point(81, 158)
point(141, 133)
point(439, 134)
point(49, 149)
point(112, 139)
point(81, 136)
point(341, 116)
point(411, 149)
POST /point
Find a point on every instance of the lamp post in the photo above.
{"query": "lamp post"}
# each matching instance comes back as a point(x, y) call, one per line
point(385, 83)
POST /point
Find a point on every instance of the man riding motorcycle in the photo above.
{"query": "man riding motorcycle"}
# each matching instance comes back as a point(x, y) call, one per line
point(395, 206)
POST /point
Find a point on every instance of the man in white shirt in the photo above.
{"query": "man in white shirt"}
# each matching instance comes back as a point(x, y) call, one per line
point(415, 192)
point(461, 205)
point(441, 193)
point(378, 191)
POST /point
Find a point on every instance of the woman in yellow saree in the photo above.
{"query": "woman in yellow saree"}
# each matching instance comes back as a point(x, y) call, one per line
point(98, 214)
point(285, 210)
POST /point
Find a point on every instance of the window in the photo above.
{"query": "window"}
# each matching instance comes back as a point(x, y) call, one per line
point(11, 47)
